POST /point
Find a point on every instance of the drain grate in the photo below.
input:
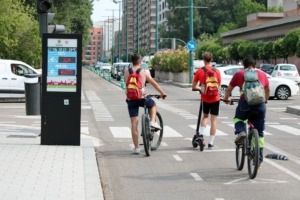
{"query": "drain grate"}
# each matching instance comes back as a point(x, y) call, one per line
point(22, 136)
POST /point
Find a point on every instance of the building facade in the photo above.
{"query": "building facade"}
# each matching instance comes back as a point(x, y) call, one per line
point(268, 26)
point(93, 51)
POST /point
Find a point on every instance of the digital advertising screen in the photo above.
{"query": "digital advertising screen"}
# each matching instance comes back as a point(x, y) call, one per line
point(62, 65)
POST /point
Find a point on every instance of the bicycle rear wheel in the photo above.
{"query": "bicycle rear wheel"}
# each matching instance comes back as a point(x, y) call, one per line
point(156, 135)
point(240, 151)
point(146, 133)
point(253, 156)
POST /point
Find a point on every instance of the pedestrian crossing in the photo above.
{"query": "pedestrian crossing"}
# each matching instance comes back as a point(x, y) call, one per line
point(169, 132)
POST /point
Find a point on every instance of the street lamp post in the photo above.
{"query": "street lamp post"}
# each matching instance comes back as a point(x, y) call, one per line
point(191, 35)
point(113, 36)
point(126, 10)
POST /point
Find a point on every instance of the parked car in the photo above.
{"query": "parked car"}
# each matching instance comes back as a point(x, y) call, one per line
point(105, 67)
point(280, 88)
point(288, 71)
point(12, 78)
point(117, 70)
point(198, 64)
point(268, 68)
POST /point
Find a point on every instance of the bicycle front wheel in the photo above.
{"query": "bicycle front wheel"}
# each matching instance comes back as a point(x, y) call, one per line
point(240, 151)
point(156, 135)
point(146, 134)
point(253, 154)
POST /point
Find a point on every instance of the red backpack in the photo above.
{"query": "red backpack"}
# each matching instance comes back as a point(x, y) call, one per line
point(134, 84)
point(211, 82)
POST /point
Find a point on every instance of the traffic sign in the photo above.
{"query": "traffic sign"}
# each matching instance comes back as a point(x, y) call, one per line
point(191, 45)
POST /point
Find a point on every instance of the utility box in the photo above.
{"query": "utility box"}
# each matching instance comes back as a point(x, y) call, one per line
point(61, 89)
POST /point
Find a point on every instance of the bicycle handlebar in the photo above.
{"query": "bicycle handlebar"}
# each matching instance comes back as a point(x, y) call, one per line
point(156, 96)
point(231, 101)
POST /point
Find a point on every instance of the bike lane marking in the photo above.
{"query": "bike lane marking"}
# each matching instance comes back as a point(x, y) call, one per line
point(196, 176)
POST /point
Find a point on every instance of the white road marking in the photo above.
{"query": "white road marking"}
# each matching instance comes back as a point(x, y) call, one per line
point(177, 158)
point(169, 132)
point(100, 111)
point(8, 122)
point(246, 180)
point(279, 151)
point(207, 130)
point(85, 130)
point(163, 144)
point(287, 129)
point(196, 176)
point(208, 151)
point(120, 132)
point(288, 118)
point(285, 170)
point(265, 132)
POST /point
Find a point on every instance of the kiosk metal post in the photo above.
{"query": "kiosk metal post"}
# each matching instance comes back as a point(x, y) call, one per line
point(61, 89)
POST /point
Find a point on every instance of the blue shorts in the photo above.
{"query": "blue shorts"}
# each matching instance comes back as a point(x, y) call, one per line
point(133, 105)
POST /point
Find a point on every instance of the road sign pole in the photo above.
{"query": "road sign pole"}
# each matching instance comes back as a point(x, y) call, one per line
point(191, 65)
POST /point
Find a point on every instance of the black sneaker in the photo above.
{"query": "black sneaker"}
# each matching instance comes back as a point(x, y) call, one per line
point(240, 138)
point(210, 147)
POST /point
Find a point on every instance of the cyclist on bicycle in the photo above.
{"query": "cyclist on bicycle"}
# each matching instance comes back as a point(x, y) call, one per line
point(243, 109)
point(133, 105)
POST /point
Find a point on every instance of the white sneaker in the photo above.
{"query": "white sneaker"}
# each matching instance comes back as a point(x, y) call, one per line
point(155, 125)
point(136, 151)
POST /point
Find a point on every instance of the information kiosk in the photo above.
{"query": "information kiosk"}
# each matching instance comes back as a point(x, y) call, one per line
point(61, 89)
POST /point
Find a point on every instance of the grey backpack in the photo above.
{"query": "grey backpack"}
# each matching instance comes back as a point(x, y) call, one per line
point(254, 92)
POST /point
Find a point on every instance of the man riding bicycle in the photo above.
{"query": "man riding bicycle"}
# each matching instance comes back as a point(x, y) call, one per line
point(133, 105)
point(243, 109)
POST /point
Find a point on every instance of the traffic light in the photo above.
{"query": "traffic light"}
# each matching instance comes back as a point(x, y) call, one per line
point(43, 6)
point(56, 28)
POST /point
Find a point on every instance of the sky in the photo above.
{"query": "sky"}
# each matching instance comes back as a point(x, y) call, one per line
point(102, 8)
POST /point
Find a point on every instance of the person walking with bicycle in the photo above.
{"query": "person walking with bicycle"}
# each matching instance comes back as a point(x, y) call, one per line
point(243, 108)
point(207, 81)
point(133, 104)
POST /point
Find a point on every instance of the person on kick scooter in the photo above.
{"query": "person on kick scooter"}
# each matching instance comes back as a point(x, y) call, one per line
point(207, 81)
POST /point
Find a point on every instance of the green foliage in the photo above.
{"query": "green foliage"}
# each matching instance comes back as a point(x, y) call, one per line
point(278, 9)
point(171, 60)
point(244, 8)
point(19, 36)
point(290, 42)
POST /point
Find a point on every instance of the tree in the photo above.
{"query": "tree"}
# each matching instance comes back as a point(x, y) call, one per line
point(19, 33)
point(290, 41)
point(244, 8)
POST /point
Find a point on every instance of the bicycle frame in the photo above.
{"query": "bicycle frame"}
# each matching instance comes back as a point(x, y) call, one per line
point(148, 133)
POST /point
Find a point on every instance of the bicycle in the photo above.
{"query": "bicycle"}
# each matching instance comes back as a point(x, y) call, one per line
point(152, 137)
point(249, 147)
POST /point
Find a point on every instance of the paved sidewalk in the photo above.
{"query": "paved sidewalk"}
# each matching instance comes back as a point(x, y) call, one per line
point(30, 171)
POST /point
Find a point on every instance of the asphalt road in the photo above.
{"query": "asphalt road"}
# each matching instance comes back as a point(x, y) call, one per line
point(178, 171)
point(175, 170)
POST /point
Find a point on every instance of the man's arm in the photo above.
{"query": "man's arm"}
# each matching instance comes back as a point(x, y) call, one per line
point(155, 85)
point(267, 93)
point(228, 92)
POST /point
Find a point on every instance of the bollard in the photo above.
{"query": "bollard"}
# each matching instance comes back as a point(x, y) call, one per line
point(122, 82)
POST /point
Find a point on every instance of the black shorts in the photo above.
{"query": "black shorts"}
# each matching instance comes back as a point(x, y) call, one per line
point(212, 108)
point(133, 105)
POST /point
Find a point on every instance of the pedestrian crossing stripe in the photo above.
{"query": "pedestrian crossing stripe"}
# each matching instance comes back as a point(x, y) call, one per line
point(218, 132)
point(265, 132)
point(120, 132)
point(125, 132)
point(287, 129)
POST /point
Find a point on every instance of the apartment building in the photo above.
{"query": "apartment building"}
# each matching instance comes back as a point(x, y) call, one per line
point(94, 50)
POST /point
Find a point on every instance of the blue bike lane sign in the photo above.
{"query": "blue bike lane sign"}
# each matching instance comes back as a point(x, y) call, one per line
point(191, 45)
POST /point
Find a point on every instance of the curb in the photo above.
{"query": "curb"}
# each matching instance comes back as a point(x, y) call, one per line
point(293, 110)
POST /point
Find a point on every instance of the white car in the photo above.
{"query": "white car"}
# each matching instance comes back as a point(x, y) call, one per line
point(280, 88)
point(288, 71)
point(13, 76)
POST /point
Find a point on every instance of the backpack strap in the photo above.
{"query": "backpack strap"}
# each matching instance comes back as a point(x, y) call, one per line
point(130, 70)
point(205, 69)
